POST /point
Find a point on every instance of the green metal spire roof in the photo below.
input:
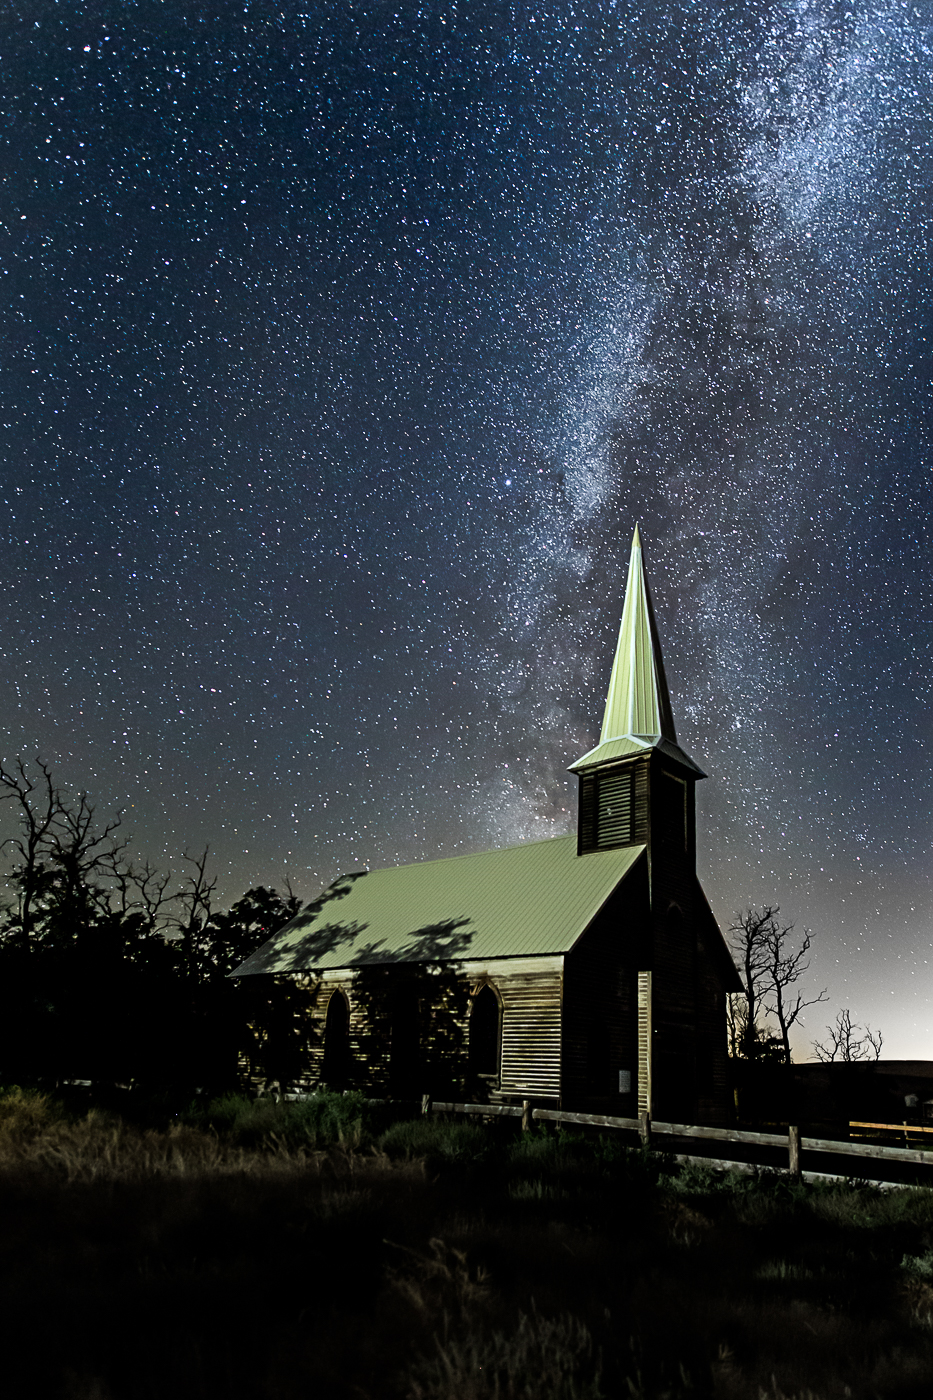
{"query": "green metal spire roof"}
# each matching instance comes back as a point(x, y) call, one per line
point(638, 707)
point(638, 701)
point(523, 901)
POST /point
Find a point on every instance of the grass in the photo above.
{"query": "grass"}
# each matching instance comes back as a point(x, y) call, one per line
point(315, 1250)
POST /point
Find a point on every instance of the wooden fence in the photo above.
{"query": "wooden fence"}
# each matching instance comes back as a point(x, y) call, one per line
point(736, 1141)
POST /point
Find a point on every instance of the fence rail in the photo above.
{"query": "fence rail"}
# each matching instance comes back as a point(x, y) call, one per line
point(793, 1142)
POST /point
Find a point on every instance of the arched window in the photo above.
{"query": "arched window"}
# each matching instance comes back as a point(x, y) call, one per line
point(336, 1066)
point(484, 1032)
point(405, 1045)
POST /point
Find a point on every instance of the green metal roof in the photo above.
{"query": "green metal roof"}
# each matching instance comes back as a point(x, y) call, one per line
point(523, 901)
point(638, 712)
point(614, 749)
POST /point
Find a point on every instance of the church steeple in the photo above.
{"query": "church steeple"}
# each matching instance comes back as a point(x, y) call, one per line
point(638, 706)
point(638, 702)
point(636, 785)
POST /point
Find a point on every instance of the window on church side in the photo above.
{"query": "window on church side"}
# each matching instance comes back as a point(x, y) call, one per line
point(484, 1032)
point(336, 1065)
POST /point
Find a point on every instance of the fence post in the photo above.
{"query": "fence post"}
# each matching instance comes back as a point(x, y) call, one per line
point(425, 1105)
point(644, 1127)
point(527, 1114)
point(793, 1149)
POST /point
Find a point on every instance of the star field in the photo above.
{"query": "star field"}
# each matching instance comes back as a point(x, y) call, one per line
point(345, 345)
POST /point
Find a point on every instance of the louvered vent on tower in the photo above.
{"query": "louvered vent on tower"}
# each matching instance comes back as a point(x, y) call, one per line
point(606, 800)
point(614, 818)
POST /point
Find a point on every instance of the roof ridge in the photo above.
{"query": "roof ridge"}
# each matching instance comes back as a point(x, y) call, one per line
point(471, 855)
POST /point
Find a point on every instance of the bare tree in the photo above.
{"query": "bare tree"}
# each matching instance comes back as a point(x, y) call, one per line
point(736, 1022)
point(151, 885)
point(749, 944)
point(39, 806)
point(140, 890)
point(770, 967)
point(786, 965)
point(67, 867)
point(196, 907)
point(848, 1042)
point(82, 858)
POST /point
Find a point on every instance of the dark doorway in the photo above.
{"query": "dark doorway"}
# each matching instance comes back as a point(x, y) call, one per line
point(336, 1067)
point(405, 1071)
point(484, 1033)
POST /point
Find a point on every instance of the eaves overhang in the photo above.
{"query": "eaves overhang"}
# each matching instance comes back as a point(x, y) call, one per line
point(627, 746)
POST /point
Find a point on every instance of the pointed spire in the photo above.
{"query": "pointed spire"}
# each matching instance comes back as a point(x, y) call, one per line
point(638, 702)
point(638, 707)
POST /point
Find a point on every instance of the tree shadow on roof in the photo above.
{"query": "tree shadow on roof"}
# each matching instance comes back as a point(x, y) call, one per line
point(299, 945)
point(445, 941)
point(303, 943)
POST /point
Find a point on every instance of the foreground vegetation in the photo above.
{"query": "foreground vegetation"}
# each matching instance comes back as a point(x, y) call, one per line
point(251, 1248)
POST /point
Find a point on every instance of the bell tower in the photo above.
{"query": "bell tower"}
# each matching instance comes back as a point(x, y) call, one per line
point(637, 784)
point(637, 788)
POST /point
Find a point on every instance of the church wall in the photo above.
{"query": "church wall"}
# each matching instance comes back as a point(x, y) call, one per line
point(426, 1011)
point(714, 1103)
point(690, 1081)
point(320, 988)
point(530, 1064)
point(674, 957)
point(600, 1010)
point(530, 991)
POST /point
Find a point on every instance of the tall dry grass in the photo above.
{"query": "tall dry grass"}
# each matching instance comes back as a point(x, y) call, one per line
point(36, 1136)
point(260, 1254)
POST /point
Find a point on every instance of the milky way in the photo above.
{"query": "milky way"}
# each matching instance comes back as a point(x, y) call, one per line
point(345, 346)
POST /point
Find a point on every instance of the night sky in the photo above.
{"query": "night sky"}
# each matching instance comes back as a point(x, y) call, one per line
point(344, 346)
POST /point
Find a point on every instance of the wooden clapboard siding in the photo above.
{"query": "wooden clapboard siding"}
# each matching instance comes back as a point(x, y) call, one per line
point(439, 1053)
point(586, 819)
point(645, 1045)
point(531, 1034)
point(672, 867)
point(689, 1068)
point(599, 1007)
point(712, 1058)
point(321, 991)
point(640, 805)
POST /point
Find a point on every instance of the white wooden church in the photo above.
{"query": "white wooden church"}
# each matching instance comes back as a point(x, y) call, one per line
point(592, 973)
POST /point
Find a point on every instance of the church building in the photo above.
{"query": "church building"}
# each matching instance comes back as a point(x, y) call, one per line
point(584, 972)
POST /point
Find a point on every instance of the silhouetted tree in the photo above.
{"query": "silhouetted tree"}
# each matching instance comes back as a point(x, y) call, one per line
point(748, 939)
point(770, 966)
point(848, 1042)
point(269, 1017)
point(785, 966)
point(106, 974)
